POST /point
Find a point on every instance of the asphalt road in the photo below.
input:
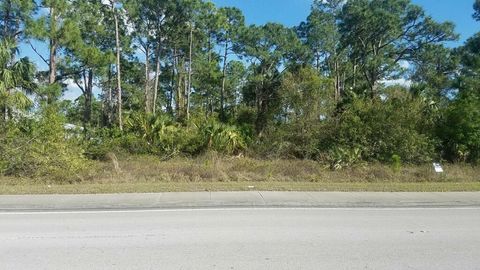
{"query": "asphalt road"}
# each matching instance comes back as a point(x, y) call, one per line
point(415, 238)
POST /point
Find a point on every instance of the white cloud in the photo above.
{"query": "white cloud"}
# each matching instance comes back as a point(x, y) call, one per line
point(73, 92)
point(402, 82)
point(404, 64)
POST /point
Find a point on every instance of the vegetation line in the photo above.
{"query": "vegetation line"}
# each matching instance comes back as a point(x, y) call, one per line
point(182, 91)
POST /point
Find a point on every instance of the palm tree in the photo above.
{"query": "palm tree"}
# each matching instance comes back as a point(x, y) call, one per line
point(16, 81)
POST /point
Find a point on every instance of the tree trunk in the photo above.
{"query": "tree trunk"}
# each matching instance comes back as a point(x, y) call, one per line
point(261, 121)
point(224, 79)
point(317, 61)
point(53, 62)
point(209, 48)
point(109, 97)
point(185, 91)
point(119, 76)
point(157, 78)
point(261, 105)
point(87, 115)
point(190, 64)
point(373, 83)
point(53, 49)
point(6, 19)
point(147, 79)
point(5, 34)
point(176, 84)
point(374, 74)
point(5, 114)
point(338, 83)
point(5, 110)
point(171, 90)
point(354, 74)
point(179, 102)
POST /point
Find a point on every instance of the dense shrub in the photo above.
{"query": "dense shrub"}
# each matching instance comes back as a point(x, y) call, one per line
point(162, 136)
point(41, 148)
point(381, 129)
point(294, 140)
point(159, 135)
point(340, 158)
point(460, 131)
point(221, 137)
point(363, 130)
point(99, 142)
point(301, 126)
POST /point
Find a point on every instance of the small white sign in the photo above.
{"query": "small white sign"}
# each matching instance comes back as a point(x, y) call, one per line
point(438, 168)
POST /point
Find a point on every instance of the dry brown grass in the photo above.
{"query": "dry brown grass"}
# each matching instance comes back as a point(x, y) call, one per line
point(215, 172)
point(152, 187)
point(214, 168)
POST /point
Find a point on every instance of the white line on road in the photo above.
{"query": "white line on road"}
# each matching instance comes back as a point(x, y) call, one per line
point(50, 212)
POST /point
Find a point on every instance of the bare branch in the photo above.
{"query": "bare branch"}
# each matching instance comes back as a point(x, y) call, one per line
point(79, 86)
point(35, 50)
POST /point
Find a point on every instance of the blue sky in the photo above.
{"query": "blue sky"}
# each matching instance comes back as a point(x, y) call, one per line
point(292, 12)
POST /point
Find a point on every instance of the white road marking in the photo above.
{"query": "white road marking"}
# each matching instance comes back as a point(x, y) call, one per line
point(50, 212)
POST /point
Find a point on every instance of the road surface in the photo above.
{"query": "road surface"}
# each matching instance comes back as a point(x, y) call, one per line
point(287, 238)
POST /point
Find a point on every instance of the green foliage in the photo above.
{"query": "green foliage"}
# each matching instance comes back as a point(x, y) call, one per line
point(41, 148)
point(306, 96)
point(100, 143)
point(15, 14)
point(267, 47)
point(460, 130)
point(161, 135)
point(396, 126)
point(16, 81)
point(59, 25)
point(396, 163)
point(341, 158)
point(207, 82)
point(158, 135)
point(221, 137)
point(307, 101)
point(49, 93)
point(435, 69)
point(293, 140)
point(476, 7)
point(381, 33)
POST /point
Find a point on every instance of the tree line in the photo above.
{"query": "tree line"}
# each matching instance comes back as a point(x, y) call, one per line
point(358, 80)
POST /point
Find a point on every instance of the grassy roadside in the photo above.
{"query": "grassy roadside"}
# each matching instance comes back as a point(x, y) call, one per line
point(215, 173)
point(234, 186)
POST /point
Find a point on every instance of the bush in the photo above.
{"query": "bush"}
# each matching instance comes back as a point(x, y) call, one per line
point(100, 142)
point(293, 140)
point(396, 163)
point(397, 126)
point(221, 137)
point(341, 157)
point(41, 149)
point(161, 135)
point(460, 131)
point(363, 130)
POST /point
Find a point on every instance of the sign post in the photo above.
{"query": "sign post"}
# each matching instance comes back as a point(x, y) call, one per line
point(438, 168)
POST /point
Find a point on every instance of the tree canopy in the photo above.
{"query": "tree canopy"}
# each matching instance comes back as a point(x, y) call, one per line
point(368, 79)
